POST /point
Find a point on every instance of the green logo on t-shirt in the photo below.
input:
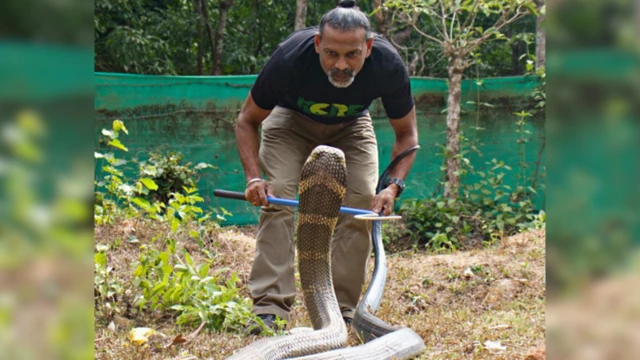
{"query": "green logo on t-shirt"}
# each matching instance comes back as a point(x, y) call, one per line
point(324, 109)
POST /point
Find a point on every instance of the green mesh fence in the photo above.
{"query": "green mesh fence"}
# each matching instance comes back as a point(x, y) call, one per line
point(195, 115)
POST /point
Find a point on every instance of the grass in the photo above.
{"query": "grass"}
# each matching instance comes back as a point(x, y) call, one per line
point(501, 297)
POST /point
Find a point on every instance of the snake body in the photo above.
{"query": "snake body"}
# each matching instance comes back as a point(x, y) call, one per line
point(322, 191)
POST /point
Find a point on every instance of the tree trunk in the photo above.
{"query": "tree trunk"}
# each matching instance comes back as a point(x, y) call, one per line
point(219, 43)
point(256, 30)
point(452, 184)
point(381, 17)
point(301, 14)
point(201, 36)
point(200, 51)
point(516, 51)
point(403, 35)
point(515, 57)
point(541, 38)
point(203, 10)
point(413, 64)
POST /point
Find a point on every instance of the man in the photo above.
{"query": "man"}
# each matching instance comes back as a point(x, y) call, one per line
point(316, 89)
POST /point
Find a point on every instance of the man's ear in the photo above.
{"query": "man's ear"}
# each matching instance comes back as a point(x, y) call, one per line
point(317, 42)
point(369, 45)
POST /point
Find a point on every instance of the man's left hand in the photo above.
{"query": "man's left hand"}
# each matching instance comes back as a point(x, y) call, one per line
point(384, 200)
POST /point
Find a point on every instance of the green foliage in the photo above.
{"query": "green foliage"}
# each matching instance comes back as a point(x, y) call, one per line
point(134, 36)
point(48, 22)
point(118, 194)
point(107, 287)
point(392, 233)
point(452, 224)
point(539, 221)
point(480, 270)
point(166, 189)
point(181, 208)
point(462, 28)
point(167, 174)
point(486, 210)
point(540, 93)
point(171, 280)
point(142, 37)
point(154, 37)
point(501, 54)
point(166, 278)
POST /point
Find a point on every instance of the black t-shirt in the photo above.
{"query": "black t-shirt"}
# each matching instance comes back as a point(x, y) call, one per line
point(293, 78)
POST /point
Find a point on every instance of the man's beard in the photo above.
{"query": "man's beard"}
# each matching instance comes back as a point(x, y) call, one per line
point(341, 84)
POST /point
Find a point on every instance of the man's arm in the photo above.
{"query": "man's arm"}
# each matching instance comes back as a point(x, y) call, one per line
point(248, 139)
point(406, 131)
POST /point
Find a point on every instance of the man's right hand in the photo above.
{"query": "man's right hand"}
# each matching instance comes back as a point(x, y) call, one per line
point(256, 193)
point(248, 139)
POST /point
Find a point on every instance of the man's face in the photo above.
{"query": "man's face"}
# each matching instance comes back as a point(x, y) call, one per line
point(342, 54)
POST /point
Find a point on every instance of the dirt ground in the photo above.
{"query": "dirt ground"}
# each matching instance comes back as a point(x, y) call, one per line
point(479, 304)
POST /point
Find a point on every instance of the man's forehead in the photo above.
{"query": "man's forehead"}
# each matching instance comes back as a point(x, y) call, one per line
point(355, 38)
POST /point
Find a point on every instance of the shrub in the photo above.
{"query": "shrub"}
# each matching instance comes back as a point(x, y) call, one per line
point(165, 278)
point(171, 280)
point(169, 173)
point(486, 211)
point(165, 188)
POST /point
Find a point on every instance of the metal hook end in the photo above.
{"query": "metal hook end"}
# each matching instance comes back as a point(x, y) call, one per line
point(376, 217)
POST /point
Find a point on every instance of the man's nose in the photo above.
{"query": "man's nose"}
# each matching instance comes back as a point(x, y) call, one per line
point(341, 64)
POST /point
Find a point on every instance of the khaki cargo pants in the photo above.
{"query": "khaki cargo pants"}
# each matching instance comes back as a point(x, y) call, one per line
point(288, 137)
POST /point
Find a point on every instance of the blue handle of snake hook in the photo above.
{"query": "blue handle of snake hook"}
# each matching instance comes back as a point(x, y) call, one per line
point(343, 209)
point(285, 202)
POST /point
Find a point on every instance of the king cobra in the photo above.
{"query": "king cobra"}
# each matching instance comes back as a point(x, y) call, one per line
point(322, 191)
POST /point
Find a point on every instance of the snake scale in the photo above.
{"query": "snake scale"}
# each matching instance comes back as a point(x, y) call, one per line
point(322, 191)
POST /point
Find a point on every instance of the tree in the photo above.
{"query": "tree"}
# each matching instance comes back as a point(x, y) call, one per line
point(456, 31)
point(219, 43)
point(382, 17)
point(541, 52)
point(203, 13)
point(145, 37)
point(187, 37)
point(301, 14)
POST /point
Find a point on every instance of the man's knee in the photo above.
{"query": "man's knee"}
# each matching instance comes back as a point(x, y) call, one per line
point(284, 188)
point(359, 198)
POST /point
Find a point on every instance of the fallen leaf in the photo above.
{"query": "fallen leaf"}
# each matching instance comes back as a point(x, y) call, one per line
point(140, 336)
point(180, 339)
point(177, 341)
point(494, 346)
point(537, 354)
